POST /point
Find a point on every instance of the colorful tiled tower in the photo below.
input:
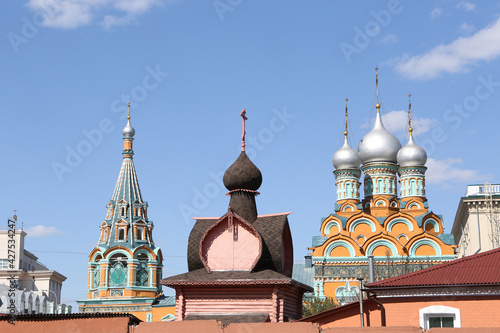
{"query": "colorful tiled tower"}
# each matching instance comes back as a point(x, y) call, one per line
point(125, 267)
point(401, 233)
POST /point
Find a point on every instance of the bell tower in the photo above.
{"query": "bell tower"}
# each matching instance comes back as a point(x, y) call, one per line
point(125, 267)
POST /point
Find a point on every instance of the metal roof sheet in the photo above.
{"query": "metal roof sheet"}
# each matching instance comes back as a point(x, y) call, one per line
point(479, 269)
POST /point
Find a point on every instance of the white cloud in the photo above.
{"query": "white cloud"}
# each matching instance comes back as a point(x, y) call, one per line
point(69, 14)
point(467, 6)
point(41, 231)
point(445, 172)
point(436, 13)
point(397, 122)
point(389, 39)
point(455, 57)
point(467, 28)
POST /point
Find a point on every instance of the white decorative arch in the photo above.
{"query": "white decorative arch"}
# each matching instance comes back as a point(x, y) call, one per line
point(362, 221)
point(414, 204)
point(330, 224)
point(400, 220)
point(346, 207)
point(380, 203)
point(420, 242)
point(381, 242)
point(439, 311)
point(342, 243)
point(402, 235)
point(433, 222)
point(97, 254)
point(118, 251)
point(136, 254)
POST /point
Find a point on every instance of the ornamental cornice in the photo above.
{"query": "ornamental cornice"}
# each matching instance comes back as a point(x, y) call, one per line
point(412, 171)
point(347, 173)
point(444, 291)
point(390, 168)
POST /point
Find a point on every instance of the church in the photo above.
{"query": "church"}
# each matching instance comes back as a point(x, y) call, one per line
point(240, 265)
point(125, 268)
point(398, 229)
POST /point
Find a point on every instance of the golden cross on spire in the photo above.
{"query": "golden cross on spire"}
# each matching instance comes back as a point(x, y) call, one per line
point(376, 80)
point(345, 132)
point(410, 129)
point(128, 117)
point(243, 118)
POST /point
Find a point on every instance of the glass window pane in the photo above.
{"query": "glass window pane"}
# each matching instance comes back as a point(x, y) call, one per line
point(434, 322)
point(447, 321)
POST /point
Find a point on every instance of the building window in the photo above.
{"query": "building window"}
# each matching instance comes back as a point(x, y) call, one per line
point(4, 264)
point(139, 233)
point(439, 316)
point(121, 234)
point(149, 317)
point(440, 322)
point(142, 274)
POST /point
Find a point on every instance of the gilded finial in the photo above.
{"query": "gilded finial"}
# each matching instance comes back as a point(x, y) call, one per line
point(410, 129)
point(345, 132)
point(128, 117)
point(243, 132)
point(376, 85)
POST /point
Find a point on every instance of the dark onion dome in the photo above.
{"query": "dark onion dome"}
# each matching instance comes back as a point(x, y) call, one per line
point(346, 157)
point(378, 145)
point(242, 175)
point(411, 154)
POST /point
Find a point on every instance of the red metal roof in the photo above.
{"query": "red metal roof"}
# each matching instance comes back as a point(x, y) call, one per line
point(478, 269)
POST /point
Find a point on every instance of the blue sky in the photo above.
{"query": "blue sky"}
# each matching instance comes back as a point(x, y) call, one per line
point(188, 67)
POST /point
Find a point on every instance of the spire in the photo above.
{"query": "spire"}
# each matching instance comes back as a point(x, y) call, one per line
point(243, 179)
point(126, 203)
point(376, 85)
point(379, 145)
point(345, 132)
point(128, 136)
point(243, 119)
point(410, 129)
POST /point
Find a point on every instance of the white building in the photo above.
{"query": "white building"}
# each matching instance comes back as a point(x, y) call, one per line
point(477, 225)
point(38, 289)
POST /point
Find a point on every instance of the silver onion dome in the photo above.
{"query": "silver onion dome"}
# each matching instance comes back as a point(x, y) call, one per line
point(346, 157)
point(412, 155)
point(128, 131)
point(378, 145)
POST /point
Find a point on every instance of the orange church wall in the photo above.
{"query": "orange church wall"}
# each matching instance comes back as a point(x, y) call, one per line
point(159, 313)
point(477, 312)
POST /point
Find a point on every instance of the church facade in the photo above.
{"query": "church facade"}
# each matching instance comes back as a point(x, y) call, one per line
point(398, 229)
